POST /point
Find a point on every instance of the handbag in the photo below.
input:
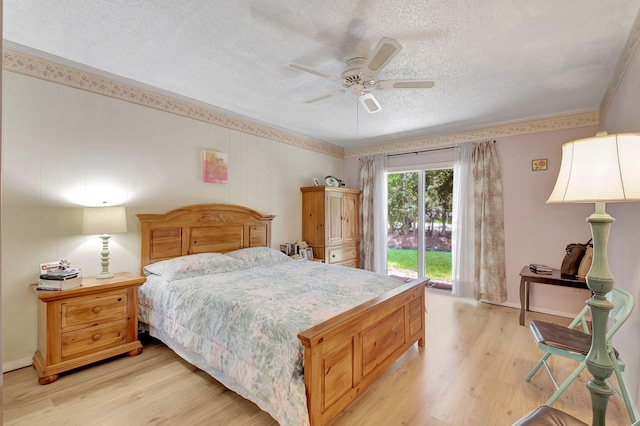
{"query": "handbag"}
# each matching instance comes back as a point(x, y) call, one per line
point(585, 263)
point(571, 262)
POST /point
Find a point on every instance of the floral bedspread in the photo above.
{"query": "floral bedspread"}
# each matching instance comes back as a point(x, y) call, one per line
point(240, 323)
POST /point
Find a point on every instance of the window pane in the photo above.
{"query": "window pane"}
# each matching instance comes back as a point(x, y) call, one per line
point(402, 223)
point(438, 201)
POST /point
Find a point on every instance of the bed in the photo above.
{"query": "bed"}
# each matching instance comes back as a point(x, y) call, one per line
point(317, 336)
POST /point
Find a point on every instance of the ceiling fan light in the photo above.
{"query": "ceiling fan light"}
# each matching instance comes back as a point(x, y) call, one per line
point(370, 103)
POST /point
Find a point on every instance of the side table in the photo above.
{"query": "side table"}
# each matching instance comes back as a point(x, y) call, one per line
point(555, 278)
point(82, 325)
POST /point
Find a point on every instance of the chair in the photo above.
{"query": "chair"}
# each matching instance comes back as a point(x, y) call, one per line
point(549, 416)
point(570, 342)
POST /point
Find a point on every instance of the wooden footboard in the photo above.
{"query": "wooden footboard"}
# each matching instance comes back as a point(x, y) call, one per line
point(345, 354)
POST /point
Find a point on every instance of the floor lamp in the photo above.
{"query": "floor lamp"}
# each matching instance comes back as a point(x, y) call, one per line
point(598, 170)
point(104, 221)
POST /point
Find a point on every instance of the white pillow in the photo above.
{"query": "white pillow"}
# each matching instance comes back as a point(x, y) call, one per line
point(256, 256)
point(193, 265)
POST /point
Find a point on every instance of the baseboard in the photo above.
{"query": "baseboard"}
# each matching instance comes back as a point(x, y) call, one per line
point(16, 364)
point(539, 310)
point(552, 312)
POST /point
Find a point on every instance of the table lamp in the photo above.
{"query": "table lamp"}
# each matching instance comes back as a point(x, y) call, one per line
point(597, 170)
point(104, 221)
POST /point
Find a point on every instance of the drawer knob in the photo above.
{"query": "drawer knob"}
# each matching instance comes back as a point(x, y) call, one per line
point(96, 337)
point(97, 309)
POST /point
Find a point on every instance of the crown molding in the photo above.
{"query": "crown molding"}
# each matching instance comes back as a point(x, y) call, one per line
point(589, 118)
point(32, 66)
point(621, 67)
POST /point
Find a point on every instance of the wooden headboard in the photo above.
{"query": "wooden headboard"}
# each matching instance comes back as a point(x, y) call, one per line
point(202, 228)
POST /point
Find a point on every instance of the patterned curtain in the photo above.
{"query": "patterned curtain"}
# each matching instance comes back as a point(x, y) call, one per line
point(490, 273)
point(373, 214)
point(366, 184)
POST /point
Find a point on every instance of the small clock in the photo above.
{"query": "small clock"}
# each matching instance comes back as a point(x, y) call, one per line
point(331, 181)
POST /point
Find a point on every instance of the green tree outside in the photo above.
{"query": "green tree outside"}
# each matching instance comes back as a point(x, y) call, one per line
point(402, 192)
point(403, 219)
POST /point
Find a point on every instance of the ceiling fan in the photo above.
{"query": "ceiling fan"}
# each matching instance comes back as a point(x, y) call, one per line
point(360, 76)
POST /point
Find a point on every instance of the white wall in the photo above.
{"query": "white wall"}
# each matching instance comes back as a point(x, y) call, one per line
point(1, 78)
point(64, 148)
point(536, 232)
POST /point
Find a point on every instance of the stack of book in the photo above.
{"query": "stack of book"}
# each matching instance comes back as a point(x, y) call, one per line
point(60, 280)
point(540, 269)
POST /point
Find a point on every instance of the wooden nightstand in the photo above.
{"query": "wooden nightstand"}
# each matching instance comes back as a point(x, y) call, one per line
point(86, 324)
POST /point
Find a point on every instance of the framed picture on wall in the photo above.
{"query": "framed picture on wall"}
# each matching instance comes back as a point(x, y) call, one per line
point(215, 167)
point(539, 164)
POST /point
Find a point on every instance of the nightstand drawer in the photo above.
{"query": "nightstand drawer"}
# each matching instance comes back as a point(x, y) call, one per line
point(94, 338)
point(91, 309)
point(342, 254)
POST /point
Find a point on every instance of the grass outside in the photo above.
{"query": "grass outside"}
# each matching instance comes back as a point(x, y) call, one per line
point(437, 263)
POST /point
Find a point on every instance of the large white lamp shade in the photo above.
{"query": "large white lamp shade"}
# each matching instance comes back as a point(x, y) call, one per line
point(602, 168)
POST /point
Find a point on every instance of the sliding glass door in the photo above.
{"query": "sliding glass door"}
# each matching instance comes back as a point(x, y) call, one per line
point(402, 220)
point(419, 225)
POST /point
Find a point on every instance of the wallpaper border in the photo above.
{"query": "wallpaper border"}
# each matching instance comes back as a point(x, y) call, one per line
point(51, 71)
point(26, 64)
point(589, 118)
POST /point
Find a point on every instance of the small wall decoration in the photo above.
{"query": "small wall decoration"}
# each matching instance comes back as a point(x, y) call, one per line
point(539, 164)
point(215, 168)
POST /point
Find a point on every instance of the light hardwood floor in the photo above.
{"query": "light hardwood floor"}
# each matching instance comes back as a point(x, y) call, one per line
point(471, 372)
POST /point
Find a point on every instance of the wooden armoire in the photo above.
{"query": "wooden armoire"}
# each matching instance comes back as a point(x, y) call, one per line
point(331, 224)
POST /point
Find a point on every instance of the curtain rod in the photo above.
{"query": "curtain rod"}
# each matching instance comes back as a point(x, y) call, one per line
point(425, 150)
point(421, 151)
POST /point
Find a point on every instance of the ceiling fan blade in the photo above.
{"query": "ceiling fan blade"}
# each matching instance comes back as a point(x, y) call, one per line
point(369, 102)
point(404, 84)
point(323, 97)
point(313, 71)
point(386, 49)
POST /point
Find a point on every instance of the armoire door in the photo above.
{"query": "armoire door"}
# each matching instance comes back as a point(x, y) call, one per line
point(351, 219)
point(334, 217)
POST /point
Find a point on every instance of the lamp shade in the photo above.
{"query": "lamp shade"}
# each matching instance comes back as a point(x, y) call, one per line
point(104, 220)
point(601, 168)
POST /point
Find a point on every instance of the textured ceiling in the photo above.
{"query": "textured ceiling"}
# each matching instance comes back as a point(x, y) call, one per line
point(493, 61)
